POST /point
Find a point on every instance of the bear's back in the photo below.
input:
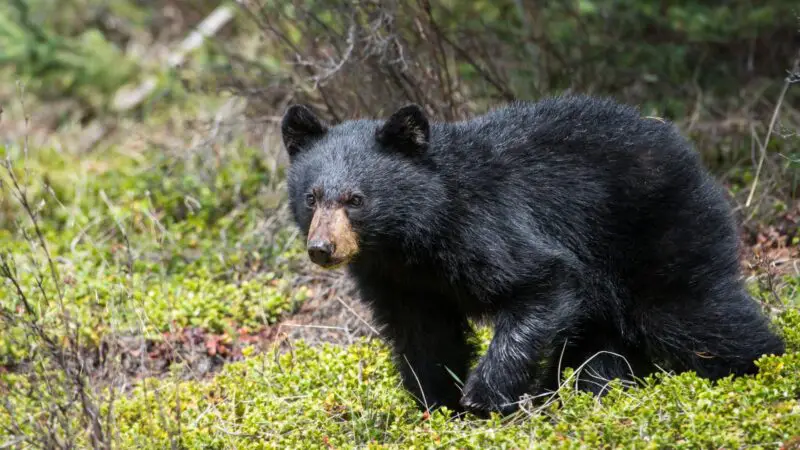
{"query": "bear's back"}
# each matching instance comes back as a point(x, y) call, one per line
point(599, 131)
point(590, 174)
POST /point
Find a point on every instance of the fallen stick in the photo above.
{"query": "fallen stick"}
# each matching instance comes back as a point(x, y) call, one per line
point(127, 99)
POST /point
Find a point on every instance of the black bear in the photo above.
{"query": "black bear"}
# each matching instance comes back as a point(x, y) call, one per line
point(581, 230)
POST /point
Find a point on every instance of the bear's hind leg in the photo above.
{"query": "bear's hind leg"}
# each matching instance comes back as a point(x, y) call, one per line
point(723, 335)
point(524, 330)
point(597, 358)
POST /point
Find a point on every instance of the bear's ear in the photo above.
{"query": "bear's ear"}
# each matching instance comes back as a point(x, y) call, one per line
point(299, 127)
point(406, 130)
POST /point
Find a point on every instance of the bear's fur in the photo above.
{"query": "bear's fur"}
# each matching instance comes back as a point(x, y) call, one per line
point(573, 224)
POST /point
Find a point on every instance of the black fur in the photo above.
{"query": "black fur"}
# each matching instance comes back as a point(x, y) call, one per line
point(572, 220)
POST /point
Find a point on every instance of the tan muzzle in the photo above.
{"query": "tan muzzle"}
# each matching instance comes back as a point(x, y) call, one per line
point(331, 239)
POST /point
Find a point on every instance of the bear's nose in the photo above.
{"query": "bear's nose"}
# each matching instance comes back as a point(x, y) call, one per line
point(320, 252)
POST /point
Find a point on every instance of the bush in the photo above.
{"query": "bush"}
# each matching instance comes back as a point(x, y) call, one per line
point(456, 57)
point(84, 66)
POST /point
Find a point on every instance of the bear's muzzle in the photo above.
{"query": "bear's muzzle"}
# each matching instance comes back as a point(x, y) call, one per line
point(331, 240)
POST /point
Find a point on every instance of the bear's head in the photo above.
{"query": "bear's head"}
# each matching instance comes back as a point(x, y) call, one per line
point(361, 185)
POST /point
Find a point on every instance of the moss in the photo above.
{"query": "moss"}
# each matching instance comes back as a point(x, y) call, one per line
point(789, 322)
point(349, 397)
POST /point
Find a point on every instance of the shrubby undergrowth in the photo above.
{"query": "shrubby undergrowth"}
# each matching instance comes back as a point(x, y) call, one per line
point(348, 397)
point(145, 247)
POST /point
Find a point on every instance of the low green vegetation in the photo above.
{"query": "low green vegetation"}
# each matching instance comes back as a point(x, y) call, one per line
point(345, 397)
point(144, 245)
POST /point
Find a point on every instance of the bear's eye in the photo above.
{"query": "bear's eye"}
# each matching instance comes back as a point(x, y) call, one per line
point(355, 201)
point(311, 200)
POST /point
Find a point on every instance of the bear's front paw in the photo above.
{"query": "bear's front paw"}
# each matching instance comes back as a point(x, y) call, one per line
point(480, 399)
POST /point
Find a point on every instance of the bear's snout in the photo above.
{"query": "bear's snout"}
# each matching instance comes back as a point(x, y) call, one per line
point(332, 241)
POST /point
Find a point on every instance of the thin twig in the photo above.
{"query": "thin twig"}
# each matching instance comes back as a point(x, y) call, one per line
point(790, 79)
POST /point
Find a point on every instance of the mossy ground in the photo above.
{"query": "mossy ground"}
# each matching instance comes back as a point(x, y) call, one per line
point(348, 396)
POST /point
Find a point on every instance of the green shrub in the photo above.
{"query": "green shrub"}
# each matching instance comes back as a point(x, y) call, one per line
point(55, 63)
